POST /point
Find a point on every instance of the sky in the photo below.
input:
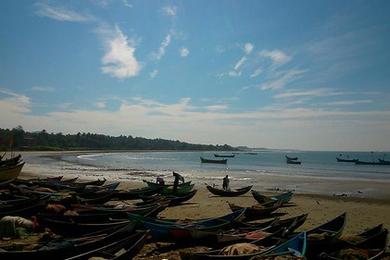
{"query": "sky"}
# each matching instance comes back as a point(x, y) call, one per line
point(310, 75)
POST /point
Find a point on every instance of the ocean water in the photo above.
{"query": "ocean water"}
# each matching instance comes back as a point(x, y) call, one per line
point(318, 173)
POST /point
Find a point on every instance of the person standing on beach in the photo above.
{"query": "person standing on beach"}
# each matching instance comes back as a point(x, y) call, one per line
point(178, 178)
point(225, 184)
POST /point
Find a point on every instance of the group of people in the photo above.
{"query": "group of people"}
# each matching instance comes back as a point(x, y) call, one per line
point(178, 178)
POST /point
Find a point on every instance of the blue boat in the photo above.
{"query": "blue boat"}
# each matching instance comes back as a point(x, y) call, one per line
point(284, 197)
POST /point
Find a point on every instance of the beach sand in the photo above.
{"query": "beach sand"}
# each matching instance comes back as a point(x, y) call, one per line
point(362, 213)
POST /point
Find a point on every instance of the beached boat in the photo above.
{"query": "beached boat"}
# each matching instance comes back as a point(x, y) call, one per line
point(267, 247)
point(291, 158)
point(204, 160)
point(10, 172)
point(346, 160)
point(185, 230)
point(323, 237)
point(11, 161)
point(284, 197)
point(384, 162)
point(224, 155)
point(167, 189)
point(124, 249)
point(136, 193)
point(67, 247)
point(24, 207)
point(372, 248)
point(258, 211)
point(174, 200)
point(229, 193)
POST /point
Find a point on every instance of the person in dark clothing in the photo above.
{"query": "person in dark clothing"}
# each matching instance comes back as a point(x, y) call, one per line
point(178, 178)
point(225, 183)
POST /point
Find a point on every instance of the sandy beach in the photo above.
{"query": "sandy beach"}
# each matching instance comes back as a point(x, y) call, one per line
point(362, 213)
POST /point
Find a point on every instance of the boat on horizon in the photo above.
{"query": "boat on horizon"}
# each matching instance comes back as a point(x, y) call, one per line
point(224, 155)
point(346, 160)
point(379, 162)
point(291, 158)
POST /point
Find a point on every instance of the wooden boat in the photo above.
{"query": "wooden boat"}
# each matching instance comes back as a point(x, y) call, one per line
point(284, 197)
point(229, 193)
point(258, 211)
point(63, 248)
point(291, 158)
point(26, 207)
point(11, 162)
point(251, 153)
point(289, 224)
point(180, 230)
point(224, 155)
point(167, 189)
point(10, 172)
point(123, 249)
point(72, 229)
point(358, 162)
point(293, 162)
point(297, 243)
point(173, 200)
point(323, 237)
point(346, 160)
point(204, 160)
point(384, 162)
point(372, 248)
point(133, 194)
point(361, 238)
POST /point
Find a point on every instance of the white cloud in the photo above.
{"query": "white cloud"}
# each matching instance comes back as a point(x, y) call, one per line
point(153, 74)
point(101, 104)
point(350, 102)
point(42, 88)
point(256, 73)
point(278, 57)
point(169, 10)
point(240, 63)
point(127, 4)
point(248, 48)
point(283, 79)
point(61, 14)
point(234, 73)
point(184, 52)
point(119, 60)
point(318, 92)
point(311, 128)
point(161, 51)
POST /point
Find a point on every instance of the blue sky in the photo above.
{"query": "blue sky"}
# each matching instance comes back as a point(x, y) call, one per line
point(278, 74)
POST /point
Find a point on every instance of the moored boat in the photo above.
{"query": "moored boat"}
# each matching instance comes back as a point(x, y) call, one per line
point(10, 172)
point(291, 158)
point(204, 160)
point(225, 155)
point(346, 160)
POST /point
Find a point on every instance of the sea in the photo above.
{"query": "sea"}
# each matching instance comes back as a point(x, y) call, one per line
point(265, 169)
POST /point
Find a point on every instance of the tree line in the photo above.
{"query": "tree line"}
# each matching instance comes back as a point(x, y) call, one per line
point(18, 139)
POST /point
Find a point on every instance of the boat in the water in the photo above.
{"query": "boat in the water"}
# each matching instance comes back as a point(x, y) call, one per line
point(346, 160)
point(224, 155)
point(379, 162)
point(204, 160)
point(293, 162)
point(291, 158)
point(229, 193)
point(384, 162)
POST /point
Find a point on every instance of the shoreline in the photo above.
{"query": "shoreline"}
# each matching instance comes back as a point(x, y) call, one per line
point(53, 164)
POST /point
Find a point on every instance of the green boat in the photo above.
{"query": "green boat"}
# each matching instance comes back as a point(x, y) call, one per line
point(167, 189)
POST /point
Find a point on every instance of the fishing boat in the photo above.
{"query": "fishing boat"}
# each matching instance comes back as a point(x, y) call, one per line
point(163, 230)
point(258, 211)
point(11, 161)
point(384, 162)
point(346, 160)
point(323, 237)
point(125, 248)
point(10, 172)
point(133, 194)
point(291, 158)
point(269, 247)
point(167, 189)
point(283, 197)
point(204, 160)
point(174, 200)
point(293, 162)
point(225, 155)
point(358, 162)
point(229, 193)
point(372, 248)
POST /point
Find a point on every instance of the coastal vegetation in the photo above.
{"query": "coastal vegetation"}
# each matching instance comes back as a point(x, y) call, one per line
point(20, 139)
